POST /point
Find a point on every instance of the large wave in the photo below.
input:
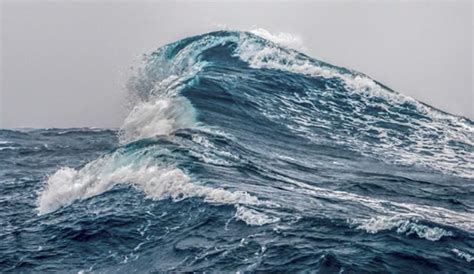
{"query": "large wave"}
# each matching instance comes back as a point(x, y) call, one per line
point(235, 118)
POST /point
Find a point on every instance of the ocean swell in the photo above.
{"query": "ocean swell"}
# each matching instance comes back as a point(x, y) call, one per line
point(244, 121)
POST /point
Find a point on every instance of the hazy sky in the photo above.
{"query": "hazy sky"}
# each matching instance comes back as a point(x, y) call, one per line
point(64, 64)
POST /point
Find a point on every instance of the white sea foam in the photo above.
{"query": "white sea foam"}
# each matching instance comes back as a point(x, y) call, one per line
point(67, 184)
point(253, 217)
point(261, 55)
point(211, 154)
point(463, 255)
point(282, 38)
point(394, 213)
point(403, 226)
point(157, 117)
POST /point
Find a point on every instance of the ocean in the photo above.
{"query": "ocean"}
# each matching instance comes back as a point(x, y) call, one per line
point(240, 154)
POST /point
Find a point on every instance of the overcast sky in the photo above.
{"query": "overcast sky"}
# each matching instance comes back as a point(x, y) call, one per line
point(64, 64)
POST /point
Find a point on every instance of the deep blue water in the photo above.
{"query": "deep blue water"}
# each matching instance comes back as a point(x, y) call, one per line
point(242, 155)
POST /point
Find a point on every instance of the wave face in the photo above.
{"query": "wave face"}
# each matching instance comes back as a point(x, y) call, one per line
point(242, 154)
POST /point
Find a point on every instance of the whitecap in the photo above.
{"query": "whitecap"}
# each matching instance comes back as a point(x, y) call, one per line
point(282, 38)
point(253, 217)
point(403, 226)
point(157, 182)
point(463, 255)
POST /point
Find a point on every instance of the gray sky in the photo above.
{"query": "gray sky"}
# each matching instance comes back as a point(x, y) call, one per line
point(64, 64)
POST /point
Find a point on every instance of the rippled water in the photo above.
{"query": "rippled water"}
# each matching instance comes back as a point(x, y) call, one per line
point(243, 155)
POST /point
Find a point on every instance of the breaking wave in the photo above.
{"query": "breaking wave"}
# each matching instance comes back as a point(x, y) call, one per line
point(242, 119)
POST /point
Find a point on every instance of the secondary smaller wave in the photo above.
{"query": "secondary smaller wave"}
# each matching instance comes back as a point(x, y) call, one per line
point(68, 185)
point(463, 255)
point(404, 226)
